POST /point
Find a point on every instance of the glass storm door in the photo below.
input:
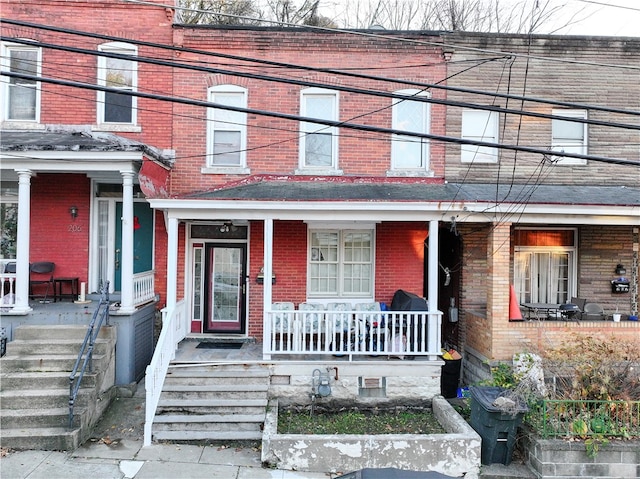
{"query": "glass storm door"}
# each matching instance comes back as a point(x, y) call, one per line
point(225, 272)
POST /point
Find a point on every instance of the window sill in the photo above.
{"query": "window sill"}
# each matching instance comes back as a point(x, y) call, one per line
point(22, 125)
point(225, 170)
point(318, 172)
point(409, 173)
point(125, 128)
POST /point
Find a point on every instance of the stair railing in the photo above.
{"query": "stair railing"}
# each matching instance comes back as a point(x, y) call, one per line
point(85, 355)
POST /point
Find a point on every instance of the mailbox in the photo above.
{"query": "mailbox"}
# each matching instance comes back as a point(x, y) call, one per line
point(620, 285)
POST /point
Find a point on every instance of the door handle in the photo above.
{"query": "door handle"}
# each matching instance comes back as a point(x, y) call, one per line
point(117, 259)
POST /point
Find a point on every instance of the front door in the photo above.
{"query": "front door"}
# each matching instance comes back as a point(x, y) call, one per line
point(225, 274)
point(142, 240)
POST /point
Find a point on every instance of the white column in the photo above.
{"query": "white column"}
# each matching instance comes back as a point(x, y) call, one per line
point(268, 287)
point(435, 327)
point(22, 248)
point(126, 266)
point(172, 263)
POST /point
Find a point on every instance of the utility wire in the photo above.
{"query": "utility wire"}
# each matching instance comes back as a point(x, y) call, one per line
point(313, 69)
point(378, 93)
point(378, 35)
point(297, 118)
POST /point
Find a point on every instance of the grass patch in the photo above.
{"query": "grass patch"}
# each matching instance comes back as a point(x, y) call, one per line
point(358, 421)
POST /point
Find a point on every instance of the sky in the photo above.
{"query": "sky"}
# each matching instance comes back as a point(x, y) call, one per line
point(602, 17)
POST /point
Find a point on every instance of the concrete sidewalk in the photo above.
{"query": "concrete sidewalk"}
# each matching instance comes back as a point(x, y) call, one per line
point(128, 459)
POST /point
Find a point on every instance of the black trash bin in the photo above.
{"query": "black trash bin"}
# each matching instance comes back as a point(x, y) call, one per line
point(449, 378)
point(496, 427)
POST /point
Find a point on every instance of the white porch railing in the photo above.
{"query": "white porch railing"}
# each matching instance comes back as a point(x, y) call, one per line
point(174, 330)
point(143, 287)
point(7, 285)
point(355, 333)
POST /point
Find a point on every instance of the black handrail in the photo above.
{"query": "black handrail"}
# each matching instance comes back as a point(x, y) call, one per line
point(86, 350)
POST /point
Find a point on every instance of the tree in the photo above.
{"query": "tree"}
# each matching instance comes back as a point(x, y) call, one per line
point(219, 12)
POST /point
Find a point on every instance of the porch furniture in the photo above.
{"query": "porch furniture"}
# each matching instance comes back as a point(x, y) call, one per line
point(59, 283)
point(579, 302)
point(312, 323)
point(569, 311)
point(373, 327)
point(286, 334)
point(338, 324)
point(592, 311)
point(41, 273)
point(541, 310)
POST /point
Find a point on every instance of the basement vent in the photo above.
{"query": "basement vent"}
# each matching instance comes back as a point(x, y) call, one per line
point(280, 380)
point(372, 387)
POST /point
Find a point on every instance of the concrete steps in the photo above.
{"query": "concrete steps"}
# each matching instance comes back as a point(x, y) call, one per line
point(223, 402)
point(34, 387)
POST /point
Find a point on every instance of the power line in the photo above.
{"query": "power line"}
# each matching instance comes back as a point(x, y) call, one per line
point(388, 37)
point(306, 83)
point(331, 123)
point(307, 68)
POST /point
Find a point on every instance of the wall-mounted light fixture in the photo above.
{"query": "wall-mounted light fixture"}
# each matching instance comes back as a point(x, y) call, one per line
point(620, 269)
point(226, 227)
point(73, 211)
point(260, 277)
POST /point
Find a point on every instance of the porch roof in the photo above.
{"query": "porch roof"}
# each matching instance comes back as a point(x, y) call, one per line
point(295, 188)
point(54, 141)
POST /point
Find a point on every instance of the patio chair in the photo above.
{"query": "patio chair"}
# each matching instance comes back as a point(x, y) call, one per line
point(579, 302)
point(592, 311)
point(312, 324)
point(370, 327)
point(339, 326)
point(41, 273)
point(283, 327)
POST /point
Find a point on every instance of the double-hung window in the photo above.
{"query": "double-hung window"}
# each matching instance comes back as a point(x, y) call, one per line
point(410, 152)
point(341, 263)
point(481, 126)
point(21, 96)
point(569, 136)
point(545, 269)
point(227, 129)
point(318, 142)
point(120, 76)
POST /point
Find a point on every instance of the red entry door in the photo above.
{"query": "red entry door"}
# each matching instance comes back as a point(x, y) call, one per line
point(225, 270)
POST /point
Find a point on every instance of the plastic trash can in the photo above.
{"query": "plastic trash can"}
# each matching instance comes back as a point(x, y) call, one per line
point(496, 427)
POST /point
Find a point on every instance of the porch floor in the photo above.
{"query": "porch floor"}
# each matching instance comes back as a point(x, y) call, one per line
point(252, 352)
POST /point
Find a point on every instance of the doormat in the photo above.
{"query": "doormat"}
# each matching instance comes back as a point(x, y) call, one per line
point(213, 345)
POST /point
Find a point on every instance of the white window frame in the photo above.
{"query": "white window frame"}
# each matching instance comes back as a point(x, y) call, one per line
point(7, 49)
point(569, 145)
point(123, 49)
point(240, 125)
point(527, 294)
point(479, 125)
point(314, 258)
point(307, 128)
point(400, 143)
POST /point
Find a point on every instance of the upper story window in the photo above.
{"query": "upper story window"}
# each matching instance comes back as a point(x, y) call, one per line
point(21, 97)
point(479, 125)
point(569, 136)
point(227, 129)
point(119, 74)
point(410, 152)
point(341, 263)
point(319, 143)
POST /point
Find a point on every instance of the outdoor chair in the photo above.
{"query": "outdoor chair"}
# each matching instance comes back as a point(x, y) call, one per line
point(41, 273)
point(579, 302)
point(370, 326)
point(592, 311)
point(283, 324)
point(312, 323)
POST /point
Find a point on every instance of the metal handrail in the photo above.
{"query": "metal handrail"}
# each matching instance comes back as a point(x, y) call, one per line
point(86, 350)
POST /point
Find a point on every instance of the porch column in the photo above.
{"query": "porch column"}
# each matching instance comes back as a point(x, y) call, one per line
point(498, 284)
point(172, 263)
point(126, 267)
point(23, 238)
point(435, 327)
point(268, 288)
